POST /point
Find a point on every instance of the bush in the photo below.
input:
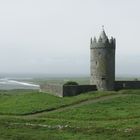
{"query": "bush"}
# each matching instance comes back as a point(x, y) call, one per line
point(71, 83)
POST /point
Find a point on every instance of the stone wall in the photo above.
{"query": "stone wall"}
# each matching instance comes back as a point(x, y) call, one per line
point(127, 85)
point(67, 90)
point(73, 90)
point(54, 89)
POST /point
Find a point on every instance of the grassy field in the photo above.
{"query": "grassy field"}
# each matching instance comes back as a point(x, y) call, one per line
point(29, 102)
point(118, 108)
point(100, 116)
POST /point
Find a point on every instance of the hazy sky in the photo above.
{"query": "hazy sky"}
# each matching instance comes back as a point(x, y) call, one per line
point(52, 36)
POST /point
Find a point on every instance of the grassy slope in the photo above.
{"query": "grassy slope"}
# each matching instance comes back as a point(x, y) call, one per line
point(111, 119)
point(23, 102)
point(119, 108)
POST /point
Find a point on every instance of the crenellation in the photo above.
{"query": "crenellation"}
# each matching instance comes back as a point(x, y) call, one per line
point(95, 40)
point(91, 40)
point(102, 65)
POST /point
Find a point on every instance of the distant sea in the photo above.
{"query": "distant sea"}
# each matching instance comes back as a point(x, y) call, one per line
point(9, 84)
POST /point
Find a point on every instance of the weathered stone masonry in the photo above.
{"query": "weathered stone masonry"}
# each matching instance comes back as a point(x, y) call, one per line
point(127, 85)
point(67, 90)
point(102, 62)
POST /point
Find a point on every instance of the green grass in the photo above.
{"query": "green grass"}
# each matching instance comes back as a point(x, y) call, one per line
point(118, 108)
point(23, 102)
point(112, 119)
point(102, 130)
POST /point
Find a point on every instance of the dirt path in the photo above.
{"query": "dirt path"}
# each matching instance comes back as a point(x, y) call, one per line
point(99, 99)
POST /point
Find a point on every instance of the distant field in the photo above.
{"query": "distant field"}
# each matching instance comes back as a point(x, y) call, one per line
point(91, 116)
point(62, 80)
point(80, 80)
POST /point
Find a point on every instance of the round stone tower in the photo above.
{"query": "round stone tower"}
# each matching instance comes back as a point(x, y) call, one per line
point(102, 62)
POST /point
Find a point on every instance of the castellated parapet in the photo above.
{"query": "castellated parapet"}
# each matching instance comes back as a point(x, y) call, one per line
point(102, 62)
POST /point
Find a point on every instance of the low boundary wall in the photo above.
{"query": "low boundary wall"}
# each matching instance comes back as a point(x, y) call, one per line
point(127, 85)
point(72, 90)
point(53, 89)
point(67, 90)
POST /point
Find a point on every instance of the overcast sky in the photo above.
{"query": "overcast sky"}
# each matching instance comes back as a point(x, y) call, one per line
point(53, 36)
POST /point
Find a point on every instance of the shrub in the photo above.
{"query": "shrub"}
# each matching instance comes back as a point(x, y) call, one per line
point(71, 83)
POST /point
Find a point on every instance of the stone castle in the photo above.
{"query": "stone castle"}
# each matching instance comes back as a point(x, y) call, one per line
point(102, 62)
point(102, 71)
